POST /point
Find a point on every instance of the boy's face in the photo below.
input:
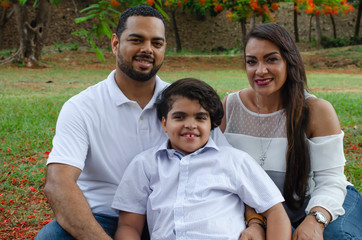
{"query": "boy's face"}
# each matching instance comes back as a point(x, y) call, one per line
point(188, 125)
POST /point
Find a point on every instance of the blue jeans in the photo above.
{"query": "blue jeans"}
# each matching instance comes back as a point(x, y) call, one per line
point(349, 225)
point(53, 231)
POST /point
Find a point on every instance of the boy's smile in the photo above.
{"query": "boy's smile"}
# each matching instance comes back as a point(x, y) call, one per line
point(188, 125)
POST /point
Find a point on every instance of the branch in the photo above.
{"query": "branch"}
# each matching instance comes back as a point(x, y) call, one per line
point(13, 57)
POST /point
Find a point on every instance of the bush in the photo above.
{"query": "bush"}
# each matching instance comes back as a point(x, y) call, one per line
point(327, 42)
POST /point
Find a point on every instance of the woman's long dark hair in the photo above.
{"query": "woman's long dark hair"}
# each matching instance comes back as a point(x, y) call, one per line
point(297, 112)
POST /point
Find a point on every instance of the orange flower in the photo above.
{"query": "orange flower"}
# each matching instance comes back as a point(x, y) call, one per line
point(218, 8)
point(151, 2)
point(179, 4)
point(5, 4)
point(114, 3)
point(275, 6)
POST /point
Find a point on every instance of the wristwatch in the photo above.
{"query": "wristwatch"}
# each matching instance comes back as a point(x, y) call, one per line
point(319, 217)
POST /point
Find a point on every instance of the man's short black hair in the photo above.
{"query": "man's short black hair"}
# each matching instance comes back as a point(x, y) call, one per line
point(192, 89)
point(140, 10)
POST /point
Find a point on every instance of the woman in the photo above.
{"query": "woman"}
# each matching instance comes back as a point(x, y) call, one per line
point(294, 136)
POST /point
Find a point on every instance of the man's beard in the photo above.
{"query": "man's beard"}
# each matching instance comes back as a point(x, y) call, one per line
point(126, 67)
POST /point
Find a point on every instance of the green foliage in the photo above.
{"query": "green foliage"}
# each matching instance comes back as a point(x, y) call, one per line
point(105, 16)
point(327, 42)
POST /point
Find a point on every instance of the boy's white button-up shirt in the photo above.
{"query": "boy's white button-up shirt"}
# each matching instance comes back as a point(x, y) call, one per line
point(198, 196)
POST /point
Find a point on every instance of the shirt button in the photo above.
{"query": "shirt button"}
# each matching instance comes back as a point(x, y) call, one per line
point(141, 118)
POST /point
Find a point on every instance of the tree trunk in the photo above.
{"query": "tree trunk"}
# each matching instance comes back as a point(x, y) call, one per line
point(5, 16)
point(310, 28)
point(358, 22)
point(296, 30)
point(243, 32)
point(252, 21)
point(334, 26)
point(175, 30)
point(32, 33)
point(319, 31)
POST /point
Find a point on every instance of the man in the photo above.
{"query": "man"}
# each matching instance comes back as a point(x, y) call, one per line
point(101, 129)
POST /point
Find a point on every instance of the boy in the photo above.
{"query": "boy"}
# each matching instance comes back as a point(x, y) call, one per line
point(190, 188)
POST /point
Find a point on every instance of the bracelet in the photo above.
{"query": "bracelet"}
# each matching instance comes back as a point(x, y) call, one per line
point(255, 216)
point(260, 224)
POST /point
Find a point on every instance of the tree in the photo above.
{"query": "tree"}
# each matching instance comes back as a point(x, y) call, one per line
point(31, 30)
point(327, 7)
point(5, 15)
point(358, 21)
point(295, 21)
point(242, 10)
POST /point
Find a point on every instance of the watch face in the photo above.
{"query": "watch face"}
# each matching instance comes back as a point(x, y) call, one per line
point(320, 217)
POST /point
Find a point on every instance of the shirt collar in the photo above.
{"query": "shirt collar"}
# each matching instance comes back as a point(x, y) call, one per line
point(119, 98)
point(172, 152)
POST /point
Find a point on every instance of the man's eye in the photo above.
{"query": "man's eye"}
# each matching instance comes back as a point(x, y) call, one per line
point(158, 44)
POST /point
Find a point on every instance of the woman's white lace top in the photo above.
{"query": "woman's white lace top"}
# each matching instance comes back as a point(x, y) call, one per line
point(267, 133)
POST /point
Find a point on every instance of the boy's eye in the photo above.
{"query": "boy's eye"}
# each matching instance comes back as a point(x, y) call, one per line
point(177, 117)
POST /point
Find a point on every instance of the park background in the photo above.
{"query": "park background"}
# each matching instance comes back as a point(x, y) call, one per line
point(31, 98)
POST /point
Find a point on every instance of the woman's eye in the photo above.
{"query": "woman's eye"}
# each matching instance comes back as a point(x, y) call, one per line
point(273, 59)
point(250, 62)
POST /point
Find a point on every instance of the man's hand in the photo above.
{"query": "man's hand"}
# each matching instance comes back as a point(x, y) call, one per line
point(253, 232)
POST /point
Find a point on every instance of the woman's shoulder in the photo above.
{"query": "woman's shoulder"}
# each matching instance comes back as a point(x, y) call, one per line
point(323, 120)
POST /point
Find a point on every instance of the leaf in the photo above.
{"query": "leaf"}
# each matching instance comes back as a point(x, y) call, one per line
point(110, 22)
point(99, 54)
point(88, 8)
point(82, 19)
point(164, 14)
point(35, 2)
point(22, 2)
point(106, 29)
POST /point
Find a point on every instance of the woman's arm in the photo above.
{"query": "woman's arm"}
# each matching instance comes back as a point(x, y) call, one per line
point(130, 226)
point(223, 121)
point(323, 121)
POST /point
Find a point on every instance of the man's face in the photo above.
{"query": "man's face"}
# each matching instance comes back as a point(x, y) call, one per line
point(141, 48)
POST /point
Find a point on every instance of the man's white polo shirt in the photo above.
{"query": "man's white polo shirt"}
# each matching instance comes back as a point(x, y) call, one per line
point(100, 131)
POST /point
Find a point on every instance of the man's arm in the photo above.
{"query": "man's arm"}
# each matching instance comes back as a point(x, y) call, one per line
point(130, 226)
point(69, 205)
point(278, 223)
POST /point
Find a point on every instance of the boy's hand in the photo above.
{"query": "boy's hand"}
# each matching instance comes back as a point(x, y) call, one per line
point(253, 232)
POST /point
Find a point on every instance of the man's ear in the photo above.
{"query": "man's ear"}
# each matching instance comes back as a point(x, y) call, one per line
point(164, 124)
point(114, 43)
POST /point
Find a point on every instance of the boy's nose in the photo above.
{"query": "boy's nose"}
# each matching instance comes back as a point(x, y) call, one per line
point(190, 124)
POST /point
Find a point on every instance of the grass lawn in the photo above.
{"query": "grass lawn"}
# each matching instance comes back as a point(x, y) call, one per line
point(32, 98)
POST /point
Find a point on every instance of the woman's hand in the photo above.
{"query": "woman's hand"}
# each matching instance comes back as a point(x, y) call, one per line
point(253, 232)
point(309, 229)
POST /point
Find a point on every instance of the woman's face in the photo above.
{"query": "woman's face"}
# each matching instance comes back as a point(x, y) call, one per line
point(265, 67)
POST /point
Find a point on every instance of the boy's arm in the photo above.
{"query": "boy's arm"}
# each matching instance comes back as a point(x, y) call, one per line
point(278, 224)
point(253, 231)
point(130, 226)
